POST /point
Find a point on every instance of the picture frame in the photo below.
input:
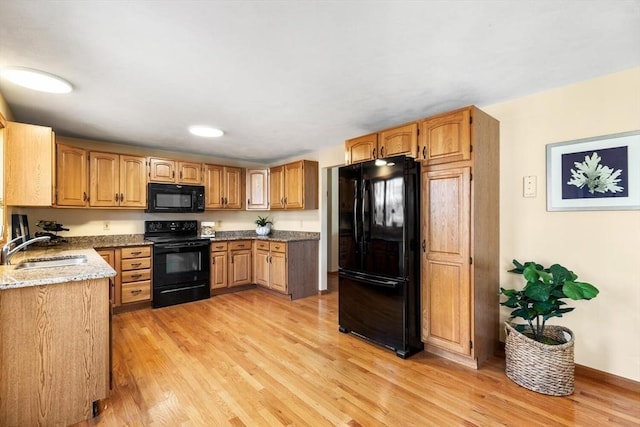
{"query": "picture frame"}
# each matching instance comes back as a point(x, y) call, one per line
point(599, 173)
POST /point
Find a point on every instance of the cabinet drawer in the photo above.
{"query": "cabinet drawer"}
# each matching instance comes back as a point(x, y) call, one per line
point(278, 247)
point(218, 246)
point(136, 275)
point(135, 264)
point(136, 291)
point(239, 244)
point(262, 245)
point(136, 252)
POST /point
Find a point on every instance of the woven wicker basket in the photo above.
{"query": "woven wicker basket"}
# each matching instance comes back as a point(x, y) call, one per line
point(544, 368)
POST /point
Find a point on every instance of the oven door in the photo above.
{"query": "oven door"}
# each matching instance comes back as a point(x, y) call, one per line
point(180, 262)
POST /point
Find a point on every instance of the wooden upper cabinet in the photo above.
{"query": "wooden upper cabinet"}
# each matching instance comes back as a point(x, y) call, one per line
point(117, 180)
point(29, 165)
point(172, 171)
point(276, 187)
point(361, 149)
point(72, 187)
point(257, 189)
point(162, 170)
point(190, 173)
point(294, 185)
point(446, 138)
point(399, 140)
point(224, 187)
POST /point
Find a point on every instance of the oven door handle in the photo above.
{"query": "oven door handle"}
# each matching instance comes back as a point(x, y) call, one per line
point(183, 245)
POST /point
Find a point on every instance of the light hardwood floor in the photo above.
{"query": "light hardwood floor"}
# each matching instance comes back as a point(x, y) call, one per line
point(254, 359)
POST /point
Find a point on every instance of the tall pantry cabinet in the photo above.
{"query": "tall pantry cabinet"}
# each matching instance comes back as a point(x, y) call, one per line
point(460, 234)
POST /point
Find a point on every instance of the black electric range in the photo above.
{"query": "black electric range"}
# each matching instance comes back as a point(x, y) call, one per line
point(180, 262)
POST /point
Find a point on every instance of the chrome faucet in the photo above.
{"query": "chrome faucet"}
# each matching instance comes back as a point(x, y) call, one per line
point(8, 253)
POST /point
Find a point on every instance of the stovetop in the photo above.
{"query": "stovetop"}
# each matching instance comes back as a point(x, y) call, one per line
point(171, 231)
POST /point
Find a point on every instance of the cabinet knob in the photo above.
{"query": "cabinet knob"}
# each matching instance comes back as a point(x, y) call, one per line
point(136, 253)
point(136, 264)
point(117, 196)
point(381, 151)
point(84, 196)
point(121, 197)
point(136, 291)
point(424, 246)
point(373, 153)
point(424, 152)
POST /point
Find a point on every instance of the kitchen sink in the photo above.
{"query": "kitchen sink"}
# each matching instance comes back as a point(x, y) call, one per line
point(57, 261)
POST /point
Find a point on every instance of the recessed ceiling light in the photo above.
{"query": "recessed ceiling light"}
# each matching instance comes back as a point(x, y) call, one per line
point(36, 80)
point(206, 131)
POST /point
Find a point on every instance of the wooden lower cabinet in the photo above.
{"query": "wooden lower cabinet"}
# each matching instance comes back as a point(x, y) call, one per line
point(219, 257)
point(239, 272)
point(133, 266)
point(287, 267)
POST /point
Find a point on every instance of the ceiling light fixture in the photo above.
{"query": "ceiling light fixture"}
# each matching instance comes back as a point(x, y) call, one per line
point(36, 80)
point(206, 131)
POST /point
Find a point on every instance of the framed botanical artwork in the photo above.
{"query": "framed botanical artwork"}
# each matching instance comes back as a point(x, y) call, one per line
point(601, 173)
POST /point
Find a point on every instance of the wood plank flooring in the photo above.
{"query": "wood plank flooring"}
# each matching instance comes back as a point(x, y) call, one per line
point(254, 359)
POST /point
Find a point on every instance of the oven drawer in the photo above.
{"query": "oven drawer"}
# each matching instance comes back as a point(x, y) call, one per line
point(239, 244)
point(278, 247)
point(136, 275)
point(135, 264)
point(218, 246)
point(135, 252)
point(136, 291)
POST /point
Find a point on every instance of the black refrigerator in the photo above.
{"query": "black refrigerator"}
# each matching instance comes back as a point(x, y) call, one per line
point(379, 259)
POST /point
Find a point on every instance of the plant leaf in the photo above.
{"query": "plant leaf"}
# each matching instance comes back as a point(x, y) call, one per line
point(579, 290)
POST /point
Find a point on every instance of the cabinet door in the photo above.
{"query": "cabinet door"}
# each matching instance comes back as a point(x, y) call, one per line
point(190, 173)
point(133, 182)
point(110, 257)
point(213, 186)
point(446, 138)
point(28, 162)
point(276, 187)
point(218, 270)
point(294, 185)
point(399, 140)
point(446, 288)
point(233, 185)
point(257, 189)
point(71, 176)
point(239, 267)
point(162, 170)
point(105, 179)
point(261, 268)
point(278, 271)
point(361, 149)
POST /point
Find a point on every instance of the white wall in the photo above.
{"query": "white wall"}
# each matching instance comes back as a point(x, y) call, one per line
point(600, 246)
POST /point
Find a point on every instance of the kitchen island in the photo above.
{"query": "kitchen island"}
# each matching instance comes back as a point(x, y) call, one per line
point(54, 339)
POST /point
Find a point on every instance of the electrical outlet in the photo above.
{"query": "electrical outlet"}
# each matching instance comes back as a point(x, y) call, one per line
point(106, 226)
point(529, 186)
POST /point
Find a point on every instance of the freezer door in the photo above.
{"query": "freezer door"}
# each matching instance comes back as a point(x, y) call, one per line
point(373, 308)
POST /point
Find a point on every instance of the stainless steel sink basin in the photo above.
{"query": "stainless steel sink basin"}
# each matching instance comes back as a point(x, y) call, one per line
point(57, 261)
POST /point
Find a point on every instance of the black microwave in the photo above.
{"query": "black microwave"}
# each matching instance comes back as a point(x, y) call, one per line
point(174, 198)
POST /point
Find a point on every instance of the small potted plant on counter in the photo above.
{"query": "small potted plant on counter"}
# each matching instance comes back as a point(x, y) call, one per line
point(540, 356)
point(263, 226)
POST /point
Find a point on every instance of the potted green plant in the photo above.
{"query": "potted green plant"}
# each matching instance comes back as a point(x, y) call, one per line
point(539, 356)
point(263, 226)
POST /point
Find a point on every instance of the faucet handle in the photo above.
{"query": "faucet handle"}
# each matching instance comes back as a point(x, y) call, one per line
point(8, 245)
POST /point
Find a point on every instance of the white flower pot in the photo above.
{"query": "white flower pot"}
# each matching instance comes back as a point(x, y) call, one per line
point(263, 231)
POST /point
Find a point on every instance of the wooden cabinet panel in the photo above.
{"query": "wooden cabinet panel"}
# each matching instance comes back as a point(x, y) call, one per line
point(361, 149)
point(219, 246)
point(224, 187)
point(105, 179)
point(135, 274)
point(162, 170)
point(278, 271)
point(446, 226)
point(294, 186)
point(136, 291)
point(136, 252)
point(135, 263)
point(133, 182)
point(399, 140)
point(261, 267)
point(446, 138)
point(257, 189)
point(117, 180)
point(28, 162)
point(72, 188)
point(190, 173)
point(276, 187)
point(239, 267)
point(219, 269)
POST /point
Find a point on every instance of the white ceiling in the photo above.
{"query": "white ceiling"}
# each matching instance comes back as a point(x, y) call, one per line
point(283, 78)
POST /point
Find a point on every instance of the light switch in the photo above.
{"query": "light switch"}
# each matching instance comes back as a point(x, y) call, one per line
point(529, 186)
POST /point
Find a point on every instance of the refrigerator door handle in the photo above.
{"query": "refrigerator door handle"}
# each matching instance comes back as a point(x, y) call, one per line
point(392, 284)
point(355, 215)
